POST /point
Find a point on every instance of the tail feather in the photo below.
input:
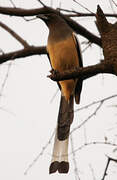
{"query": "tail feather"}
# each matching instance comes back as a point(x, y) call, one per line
point(60, 151)
point(65, 118)
point(78, 90)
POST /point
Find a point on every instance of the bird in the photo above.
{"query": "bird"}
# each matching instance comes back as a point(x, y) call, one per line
point(63, 50)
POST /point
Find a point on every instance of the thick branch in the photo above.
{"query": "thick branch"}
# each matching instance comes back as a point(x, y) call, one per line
point(29, 51)
point(32, 12)
point(84, 73)
point(20, 12)
point(102, 22)
point(108, 34)
point(14, 34)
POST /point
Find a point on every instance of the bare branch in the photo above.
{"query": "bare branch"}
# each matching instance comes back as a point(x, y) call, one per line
point(13, 4)
point(7, 110)
point(40, 154)
point(80, 14)
point(5, 79)
point(83, 7)
point(88, 45)
point(89, 15)
point(96, 102)
point(93, 143)
point(74, 160)
point(41, 2)
point(54, 95)
point(100, 102)
point(20, 12)
point(114, 3)
point(7, 74)
point(111, 5)
point(89, 117)
point(105, 171)
point(29, 51)
point(92, 171)
point(84, 73)
point(14, 34)
point(107, 165)
point(32, 12)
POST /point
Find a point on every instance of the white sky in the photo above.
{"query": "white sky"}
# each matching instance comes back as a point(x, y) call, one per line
point(28, 117)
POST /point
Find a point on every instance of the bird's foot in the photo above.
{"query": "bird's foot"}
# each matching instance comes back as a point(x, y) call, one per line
point(53, 71)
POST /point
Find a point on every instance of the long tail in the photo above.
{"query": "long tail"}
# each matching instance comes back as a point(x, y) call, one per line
point(60, 152)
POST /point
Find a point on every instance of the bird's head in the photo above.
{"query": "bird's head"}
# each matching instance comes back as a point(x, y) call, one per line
point(50, 18)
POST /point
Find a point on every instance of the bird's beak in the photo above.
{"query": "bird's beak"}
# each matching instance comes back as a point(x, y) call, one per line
point(42, 16)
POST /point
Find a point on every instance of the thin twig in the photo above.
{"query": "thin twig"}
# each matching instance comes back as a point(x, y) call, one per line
point(89, 45)
point(88, 144)
point(89, 117)
point(96, 102)
point(105, 171)
point(7, 74)
point(54, 95)
point(112, 159)
point(114, 3)
point(94, 113)
point(80, 14)
point(40, 154)
point(41, 3)
point(84, 7)
point(111, 5)
point(14, 34)
point(107, 165)
point(89, 15)
point(5, 79)
point(13, 3)
point(74, 160)
point(92, 171)
point(85, 134)
point(93, 143)
point(7, 110)
point(22, 17)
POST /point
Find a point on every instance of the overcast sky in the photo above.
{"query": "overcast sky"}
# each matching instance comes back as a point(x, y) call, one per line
point(28, 113)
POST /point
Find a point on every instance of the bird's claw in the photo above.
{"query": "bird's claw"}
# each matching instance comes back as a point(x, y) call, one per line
point(53, 71)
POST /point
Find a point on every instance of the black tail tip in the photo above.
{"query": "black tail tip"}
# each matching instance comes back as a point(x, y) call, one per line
point(53, 167)
point(63, 167)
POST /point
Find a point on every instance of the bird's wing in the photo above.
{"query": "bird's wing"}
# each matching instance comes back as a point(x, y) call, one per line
point(78, 49)
point(79, 82)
